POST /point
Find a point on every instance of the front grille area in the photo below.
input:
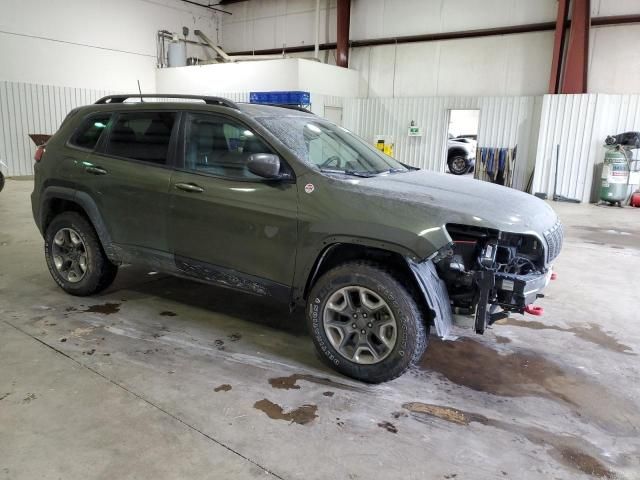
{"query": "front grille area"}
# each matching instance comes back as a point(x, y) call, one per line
point(554, 237)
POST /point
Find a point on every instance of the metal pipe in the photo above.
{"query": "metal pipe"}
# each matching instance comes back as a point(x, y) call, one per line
point(614, 20)
point(316, 46)
point(166, 34)
point(221, 53)
point(342, 50)
point(234, 58)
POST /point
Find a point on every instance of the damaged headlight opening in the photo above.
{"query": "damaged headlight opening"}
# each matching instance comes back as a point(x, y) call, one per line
point(489, 273)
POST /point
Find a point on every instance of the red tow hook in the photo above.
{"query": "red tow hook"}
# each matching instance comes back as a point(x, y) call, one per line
point(534, 310)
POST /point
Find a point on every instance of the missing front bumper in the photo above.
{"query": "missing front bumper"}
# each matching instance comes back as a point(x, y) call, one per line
point(509, 292)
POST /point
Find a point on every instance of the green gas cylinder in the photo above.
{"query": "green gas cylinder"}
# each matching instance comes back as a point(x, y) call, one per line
point(615, 176)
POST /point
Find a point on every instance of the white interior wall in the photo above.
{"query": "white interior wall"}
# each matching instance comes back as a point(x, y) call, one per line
point(265, 75)
point(506, 65)
point(91, 43)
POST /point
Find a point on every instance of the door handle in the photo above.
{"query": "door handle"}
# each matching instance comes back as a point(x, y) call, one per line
point(189, 187)
point(96, 170)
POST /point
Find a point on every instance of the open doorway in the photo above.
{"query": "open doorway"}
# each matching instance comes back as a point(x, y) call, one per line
point(462, 140)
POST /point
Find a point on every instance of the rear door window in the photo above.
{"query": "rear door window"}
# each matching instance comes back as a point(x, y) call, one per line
point(143, 136)
point(90, 131)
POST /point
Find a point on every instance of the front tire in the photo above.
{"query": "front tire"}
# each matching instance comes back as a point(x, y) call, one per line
point(1, 181)
point(75, 257)
point(364, 323)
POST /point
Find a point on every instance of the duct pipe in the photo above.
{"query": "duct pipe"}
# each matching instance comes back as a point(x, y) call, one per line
point(317, 44)
point(342, 51)
point(233, 58)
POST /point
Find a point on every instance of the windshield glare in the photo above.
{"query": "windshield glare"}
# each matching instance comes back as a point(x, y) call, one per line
point(329, 147)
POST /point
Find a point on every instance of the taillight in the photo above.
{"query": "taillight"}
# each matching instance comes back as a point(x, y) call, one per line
point(39, 152)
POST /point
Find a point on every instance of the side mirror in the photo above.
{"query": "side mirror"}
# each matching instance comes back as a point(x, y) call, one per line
point(265, 165)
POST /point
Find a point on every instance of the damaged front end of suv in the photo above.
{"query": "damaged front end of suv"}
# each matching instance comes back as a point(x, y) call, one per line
point(487, 274)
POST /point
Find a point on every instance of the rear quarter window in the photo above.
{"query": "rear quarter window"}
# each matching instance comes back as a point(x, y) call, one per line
point(90, 131)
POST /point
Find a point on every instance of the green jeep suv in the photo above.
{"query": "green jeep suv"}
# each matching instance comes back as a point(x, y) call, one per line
point(280, 203)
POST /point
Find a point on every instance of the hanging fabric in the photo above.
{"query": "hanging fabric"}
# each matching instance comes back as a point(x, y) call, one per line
point(495, 165)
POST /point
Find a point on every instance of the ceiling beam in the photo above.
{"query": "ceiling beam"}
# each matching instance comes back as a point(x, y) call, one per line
point(558, 45)
point(208, 6)
point(574, 75)
point(433, 37)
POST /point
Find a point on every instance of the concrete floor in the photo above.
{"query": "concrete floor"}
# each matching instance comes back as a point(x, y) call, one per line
point(162, 378)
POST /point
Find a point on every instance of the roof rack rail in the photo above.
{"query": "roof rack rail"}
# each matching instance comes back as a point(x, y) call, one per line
point(208, 100)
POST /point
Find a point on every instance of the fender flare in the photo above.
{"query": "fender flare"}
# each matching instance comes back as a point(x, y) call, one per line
point(88, 205)
point(454, 151)
point(307, 273)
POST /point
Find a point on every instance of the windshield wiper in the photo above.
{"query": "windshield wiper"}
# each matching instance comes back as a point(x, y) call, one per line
point(395, 170)
point(348, 172)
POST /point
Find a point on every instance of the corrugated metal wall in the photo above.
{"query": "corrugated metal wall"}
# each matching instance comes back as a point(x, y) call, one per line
point(504, 122)
point(579, 124)
point(27, 108)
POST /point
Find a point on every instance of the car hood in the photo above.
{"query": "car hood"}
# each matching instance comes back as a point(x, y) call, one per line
point(453, 199)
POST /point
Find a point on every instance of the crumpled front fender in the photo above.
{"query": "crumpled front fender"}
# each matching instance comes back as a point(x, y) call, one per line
point(436, 296)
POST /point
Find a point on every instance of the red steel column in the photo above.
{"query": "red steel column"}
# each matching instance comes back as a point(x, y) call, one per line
point(558, 46)
point(342, 44)
point(575, 71)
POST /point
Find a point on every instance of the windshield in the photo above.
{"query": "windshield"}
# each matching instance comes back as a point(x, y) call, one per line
point(330, 148)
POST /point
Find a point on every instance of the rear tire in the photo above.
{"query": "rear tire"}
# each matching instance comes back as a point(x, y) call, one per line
point(75, 257)
point(458, 165)
point(373, 351)
point(1, 181)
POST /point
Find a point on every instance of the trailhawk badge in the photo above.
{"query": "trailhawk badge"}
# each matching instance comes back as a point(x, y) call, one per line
point(309, 188)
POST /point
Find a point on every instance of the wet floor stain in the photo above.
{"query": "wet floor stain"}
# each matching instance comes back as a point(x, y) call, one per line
point(608, 235)
point(388, 426)
point(593, 333)
point(570, 451)
point(29, 398)
point(302, 415)
point(328, 394)
point(519, 373)
point(168, 313)
point(291, 382)
point(475, 365)
point(449, 414)
point(225, 387)
point(104, 308)
point(81, 331)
